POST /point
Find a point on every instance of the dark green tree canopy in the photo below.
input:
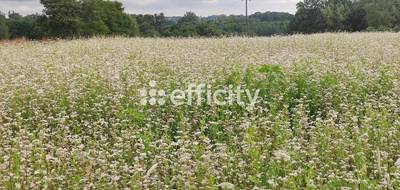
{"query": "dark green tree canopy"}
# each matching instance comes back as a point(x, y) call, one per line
point(309, 17)
point(346, 15)
point(3, 27)
point(68, 18)
point(63, 17)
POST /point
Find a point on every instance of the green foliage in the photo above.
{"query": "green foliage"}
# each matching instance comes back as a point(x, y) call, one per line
point(91, 14)
point(189, 18)
point(118, 22)
point(275, 78)
point(187, 26)
point(382, 13)
point(345, 15)
point(356, 19)
point(336, 13)
point(147, 25)
point(3, 28)
point(86, 18)
point(260, 24)
point(74, 18)
point(208, 29)
point(153, 25)
point(30, 26)
point(63, 17)
point(131, 115)
point(309, 17)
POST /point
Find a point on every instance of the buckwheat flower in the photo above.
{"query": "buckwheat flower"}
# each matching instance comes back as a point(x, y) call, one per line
point(151, 170)
point(272, 182)
point(282, 155)
point(226, 186)
point(397, 164)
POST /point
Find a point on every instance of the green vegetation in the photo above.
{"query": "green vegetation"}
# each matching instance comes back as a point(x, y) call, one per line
point(87, 18)
point(327, 118)
point(346, 15)
point(3, 28)
point(68, 18)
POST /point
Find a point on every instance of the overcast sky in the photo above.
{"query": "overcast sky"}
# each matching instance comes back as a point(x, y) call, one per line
point(171, 7)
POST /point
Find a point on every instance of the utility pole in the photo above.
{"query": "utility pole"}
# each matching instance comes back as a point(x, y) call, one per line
point(247, 17)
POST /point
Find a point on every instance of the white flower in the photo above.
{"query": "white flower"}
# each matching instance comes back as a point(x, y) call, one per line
point(226, 185)
point(151, 170)
point(397, 164)
point(282, 155)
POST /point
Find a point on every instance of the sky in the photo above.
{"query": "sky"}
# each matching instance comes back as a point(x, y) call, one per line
point(171, 7)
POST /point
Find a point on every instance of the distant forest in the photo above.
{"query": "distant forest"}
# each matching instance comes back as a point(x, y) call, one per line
point(87, 18)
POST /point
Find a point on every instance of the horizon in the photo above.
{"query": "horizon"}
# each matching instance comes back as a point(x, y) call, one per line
point(174, 8)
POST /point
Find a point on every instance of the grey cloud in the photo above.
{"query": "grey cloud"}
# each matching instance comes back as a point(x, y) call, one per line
point(21, 6)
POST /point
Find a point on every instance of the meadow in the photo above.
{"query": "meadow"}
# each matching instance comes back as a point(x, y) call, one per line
point(328, 116)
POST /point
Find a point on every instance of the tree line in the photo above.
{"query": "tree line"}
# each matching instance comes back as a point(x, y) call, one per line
point(86, 18)
point(314, 16)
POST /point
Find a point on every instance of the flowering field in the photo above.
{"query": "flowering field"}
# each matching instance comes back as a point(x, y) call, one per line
point(327, 117)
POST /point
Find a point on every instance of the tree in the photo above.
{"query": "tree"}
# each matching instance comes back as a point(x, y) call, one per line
point(63, 17)
point(208, 29)
point(69, 18)
point(117, 21)
point(346, 15)
point(189, 18)
point(25, 26)
point(382, 14)
point(147, 25)
point(91, 16)
point(161, 24)
point(335, 14)
point(3, 28)
point(356, 19)
point(309, 17)
point(187, 25)
point(271, 16)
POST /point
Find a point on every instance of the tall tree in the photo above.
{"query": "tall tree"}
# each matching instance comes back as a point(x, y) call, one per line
point(3, 28)
point(309, 17)
point(63, 17)
point(336, 13)
point(117, 21)
point(187, 25)
point(161, 24)
point(91, 15)
point(147, 25)
point(376, 16)
point(356, 19)
point(382, 14)
point(189, 18)
point(25, 26)
point(68, 18)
